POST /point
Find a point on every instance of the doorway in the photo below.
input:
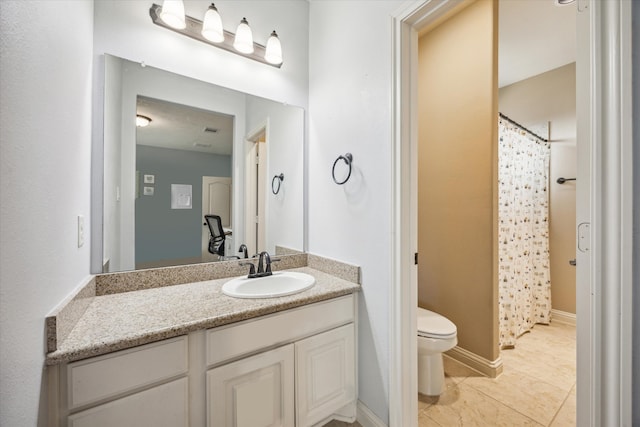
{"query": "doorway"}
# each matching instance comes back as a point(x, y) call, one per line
point(256, 172)
point(217, 193)
point(603, 362)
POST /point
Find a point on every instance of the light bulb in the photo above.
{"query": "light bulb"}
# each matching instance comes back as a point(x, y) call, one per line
point(212, 26)
point(244, 38)
point(273, 53)
point(142, 121)
point(172, 14)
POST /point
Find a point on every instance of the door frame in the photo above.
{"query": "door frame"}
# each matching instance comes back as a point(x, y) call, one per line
point(604, 339)
point(256, 200)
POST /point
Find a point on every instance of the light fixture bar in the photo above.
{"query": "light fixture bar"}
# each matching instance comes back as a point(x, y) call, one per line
point(194, 30)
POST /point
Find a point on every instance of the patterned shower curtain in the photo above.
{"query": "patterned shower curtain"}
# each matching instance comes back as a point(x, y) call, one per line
point(523, 213)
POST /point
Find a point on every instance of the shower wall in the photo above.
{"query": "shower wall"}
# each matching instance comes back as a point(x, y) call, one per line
point(551, 97)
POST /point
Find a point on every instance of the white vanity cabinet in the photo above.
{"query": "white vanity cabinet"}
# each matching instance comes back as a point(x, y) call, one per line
point(325, 383)
point(294, 368)
point(143, 386)
point(300, 372)
point(253, 392)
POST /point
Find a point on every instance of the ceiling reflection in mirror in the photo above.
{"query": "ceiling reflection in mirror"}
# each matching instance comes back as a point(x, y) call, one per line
point(196, 157)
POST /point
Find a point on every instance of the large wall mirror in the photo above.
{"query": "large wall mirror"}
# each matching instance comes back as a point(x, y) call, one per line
point(207, 150)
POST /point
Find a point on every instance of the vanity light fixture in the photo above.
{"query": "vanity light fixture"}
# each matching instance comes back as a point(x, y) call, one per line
point(211, 32)
point(142, 121)
point(243, 41)
point(212, 25)
point(273, 55)
point(172, 13)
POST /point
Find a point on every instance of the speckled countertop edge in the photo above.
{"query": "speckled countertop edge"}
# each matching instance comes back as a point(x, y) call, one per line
point(64, 317)
point(125, 320)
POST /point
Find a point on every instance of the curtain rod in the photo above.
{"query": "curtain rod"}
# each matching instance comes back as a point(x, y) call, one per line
point(513, 122)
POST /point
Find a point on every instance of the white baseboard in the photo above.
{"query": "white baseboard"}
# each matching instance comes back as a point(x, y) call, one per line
point(367, 418)
point(490, 368)
point(563, 317)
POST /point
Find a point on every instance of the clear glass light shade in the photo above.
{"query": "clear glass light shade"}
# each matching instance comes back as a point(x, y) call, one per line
point(244, 38)
point(273, 53)
point(142, 121)
point(173, 13)
point(212, 25)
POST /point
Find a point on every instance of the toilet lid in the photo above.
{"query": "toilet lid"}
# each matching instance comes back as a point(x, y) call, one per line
point(433, 325)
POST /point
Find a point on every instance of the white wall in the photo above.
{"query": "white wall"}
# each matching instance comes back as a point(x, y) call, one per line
point(45, 141)
point(350, 111)
point(112, 185)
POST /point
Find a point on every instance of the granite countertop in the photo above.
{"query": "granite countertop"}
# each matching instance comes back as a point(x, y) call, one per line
point(124, 320)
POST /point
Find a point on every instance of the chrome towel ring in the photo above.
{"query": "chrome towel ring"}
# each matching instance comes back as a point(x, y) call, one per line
point(348, 158)
point(276, 179)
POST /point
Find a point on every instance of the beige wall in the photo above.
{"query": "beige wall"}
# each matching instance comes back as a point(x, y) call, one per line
point(457, 174)
point(551, 97)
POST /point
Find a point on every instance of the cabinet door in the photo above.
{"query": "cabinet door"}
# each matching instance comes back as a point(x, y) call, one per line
point(161, 406)
point(326, 377)
point(254, 392)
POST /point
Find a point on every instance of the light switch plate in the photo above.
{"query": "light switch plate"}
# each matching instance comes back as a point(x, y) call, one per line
point(148, 191)
point(149, 179)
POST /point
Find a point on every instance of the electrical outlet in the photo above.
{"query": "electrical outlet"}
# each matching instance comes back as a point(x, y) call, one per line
point(80, 231)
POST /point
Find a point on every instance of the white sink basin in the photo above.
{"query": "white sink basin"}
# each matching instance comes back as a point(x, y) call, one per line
point(277, 285)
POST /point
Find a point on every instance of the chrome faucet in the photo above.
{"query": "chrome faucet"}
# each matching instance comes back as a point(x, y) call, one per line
point(243, 249)
point(264, 265)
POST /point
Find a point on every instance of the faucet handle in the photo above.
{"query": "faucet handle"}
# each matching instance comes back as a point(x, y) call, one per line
point(271, 260)
point(252, 268)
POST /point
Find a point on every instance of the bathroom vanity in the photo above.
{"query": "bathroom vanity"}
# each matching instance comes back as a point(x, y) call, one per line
point(188, 355)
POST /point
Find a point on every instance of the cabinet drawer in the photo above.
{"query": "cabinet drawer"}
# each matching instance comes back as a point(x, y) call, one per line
point(99, 378)
point(231, 341)
point(161, 406)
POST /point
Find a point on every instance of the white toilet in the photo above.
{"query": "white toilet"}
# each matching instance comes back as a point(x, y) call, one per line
point(436, 334)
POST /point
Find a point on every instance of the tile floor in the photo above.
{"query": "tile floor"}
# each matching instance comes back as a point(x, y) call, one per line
point(536, 388)
point(335, 423)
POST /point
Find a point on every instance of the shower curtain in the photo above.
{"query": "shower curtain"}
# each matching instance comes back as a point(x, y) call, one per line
point(523, 233)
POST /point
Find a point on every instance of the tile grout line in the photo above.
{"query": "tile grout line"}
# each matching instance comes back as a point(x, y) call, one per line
point(538, 380)
point(504, 404)
point(561, 406)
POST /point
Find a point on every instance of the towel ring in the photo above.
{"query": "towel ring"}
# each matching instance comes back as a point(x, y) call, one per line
point(278, 179)
point(348, 158)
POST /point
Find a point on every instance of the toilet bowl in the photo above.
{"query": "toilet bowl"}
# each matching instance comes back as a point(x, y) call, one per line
point(436, 334)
